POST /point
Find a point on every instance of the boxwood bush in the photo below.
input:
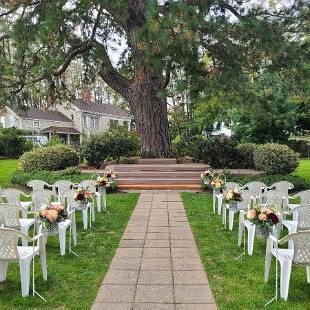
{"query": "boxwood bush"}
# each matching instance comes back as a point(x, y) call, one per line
point(246, 155)
point(49, 158)
point(275, 158)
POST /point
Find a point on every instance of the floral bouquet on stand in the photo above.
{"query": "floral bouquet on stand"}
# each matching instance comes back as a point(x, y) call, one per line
point(206, 177)
point(52, 214)
point(232, 197)
point(110, 174)
point(101, 183)
point(83, 197)
point(264, 218)
point(218, 183)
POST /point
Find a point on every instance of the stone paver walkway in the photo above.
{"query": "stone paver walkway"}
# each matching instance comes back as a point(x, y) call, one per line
point(157, 266)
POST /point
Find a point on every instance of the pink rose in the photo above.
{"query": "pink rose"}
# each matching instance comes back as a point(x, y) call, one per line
point(265, 210)
point(262, 217)
point(251, 214)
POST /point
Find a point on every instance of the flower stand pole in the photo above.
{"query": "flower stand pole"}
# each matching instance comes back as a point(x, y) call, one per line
point(215, 194)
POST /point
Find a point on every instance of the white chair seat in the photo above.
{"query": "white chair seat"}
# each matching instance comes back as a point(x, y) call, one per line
point(27, 251)
point(64, 224)
point(293, 205)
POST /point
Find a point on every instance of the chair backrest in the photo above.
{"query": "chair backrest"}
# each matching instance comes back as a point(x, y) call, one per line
point(273, 197)
point(256, 187)
point(301, 247)
point(12, 195)
point(40, 197)
point(8, 243)
point(230, 186)
point(63, 186)
point(89, 184)
point(303, 217)
point(283, 186)
point(304, 197)
point(10, 215)
point(72, 204)
point(248, 198)
point(37, 185)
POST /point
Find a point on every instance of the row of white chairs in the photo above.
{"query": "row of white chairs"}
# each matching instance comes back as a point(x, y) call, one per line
point(14, 227)
point(298, 251)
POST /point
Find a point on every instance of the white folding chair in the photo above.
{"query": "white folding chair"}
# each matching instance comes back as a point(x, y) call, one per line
point(10, 251)
point(90, 185)
point(61, 187)
point(228, 186)
point(37, 185)
point(299, 255)
point(257, 188)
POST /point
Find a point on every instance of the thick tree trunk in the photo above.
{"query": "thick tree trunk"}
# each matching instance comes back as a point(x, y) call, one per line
point(150, 112)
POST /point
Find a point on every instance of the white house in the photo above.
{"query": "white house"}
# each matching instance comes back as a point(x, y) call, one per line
point(71, 122)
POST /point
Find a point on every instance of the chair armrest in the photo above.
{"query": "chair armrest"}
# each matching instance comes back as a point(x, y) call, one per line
point(38, 236)
point(273, 238)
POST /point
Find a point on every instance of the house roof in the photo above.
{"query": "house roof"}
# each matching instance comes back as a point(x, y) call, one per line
point(97, 107)
point(55, 129)
point(41, 114)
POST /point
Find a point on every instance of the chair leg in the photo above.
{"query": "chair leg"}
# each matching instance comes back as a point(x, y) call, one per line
point(98, 202)
point(268, 258)
point(240, 230)
point(308, 274)
point(219, 204)
point(286, 269)
point(3, 270)
point(62, 240)
point(85, 217)
point(251, 234)
point(93, 212)
point(73, 227)
point(213, 201)
point(231, 219)
point(24, 230)
point(24, 267)
point(43, 264)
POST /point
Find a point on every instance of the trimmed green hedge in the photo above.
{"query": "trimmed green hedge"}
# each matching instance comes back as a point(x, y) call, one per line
point(49, 158)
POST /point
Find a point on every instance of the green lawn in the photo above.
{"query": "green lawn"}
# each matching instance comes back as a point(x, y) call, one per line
point(73, 282)
point(7, 167)
point(238, 284)
point(304, 170)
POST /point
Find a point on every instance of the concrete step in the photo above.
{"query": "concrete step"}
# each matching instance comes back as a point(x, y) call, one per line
point(157, 181)
point(160, 174)
point(169, 167)
point(156, 161)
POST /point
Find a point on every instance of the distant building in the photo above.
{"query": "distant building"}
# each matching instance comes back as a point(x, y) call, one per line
point(70, 123)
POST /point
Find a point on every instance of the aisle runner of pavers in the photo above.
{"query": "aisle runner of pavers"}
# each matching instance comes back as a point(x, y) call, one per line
point(156, 266)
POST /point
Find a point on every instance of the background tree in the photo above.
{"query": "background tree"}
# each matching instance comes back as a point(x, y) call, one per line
point(211, 42)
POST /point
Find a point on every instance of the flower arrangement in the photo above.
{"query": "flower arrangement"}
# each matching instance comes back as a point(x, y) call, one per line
point(52, 213)
point(101, 181)
point(217, 183)
point(207, 176)
point(110, 174)
point(233, 195)
point(83, 195)
point(264, 218)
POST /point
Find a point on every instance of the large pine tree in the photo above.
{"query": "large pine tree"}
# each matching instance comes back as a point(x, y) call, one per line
point(226, 40)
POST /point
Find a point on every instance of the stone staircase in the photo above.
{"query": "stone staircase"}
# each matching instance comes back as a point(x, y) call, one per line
point(159, 174)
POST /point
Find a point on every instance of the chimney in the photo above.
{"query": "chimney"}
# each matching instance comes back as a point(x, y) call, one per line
point(86, 95)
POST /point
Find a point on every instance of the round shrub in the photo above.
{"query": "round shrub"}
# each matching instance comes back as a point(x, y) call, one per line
point(275, 158)
point(246, 155)
point(49, 158)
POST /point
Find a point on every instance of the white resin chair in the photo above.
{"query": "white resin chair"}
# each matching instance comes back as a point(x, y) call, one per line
point(37, 185)
point(90, 185)
point(13, 196)
point(284, 187)
point(299, 255)
point(304, 197)
point(62, 186)
point(248, 199)
point(257, 188)
point(10, 251)
point(10, 218)
point(228, 186)
point(272, 198)
point(74, 206)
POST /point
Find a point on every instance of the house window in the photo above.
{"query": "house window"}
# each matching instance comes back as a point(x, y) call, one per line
point(2, 121)
point(113, 123)
point(36, 125)
point(72, 117)
point(91, 121)
point(11, 120)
